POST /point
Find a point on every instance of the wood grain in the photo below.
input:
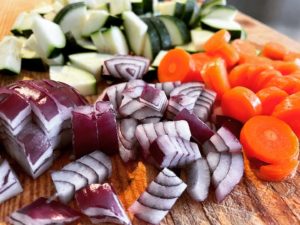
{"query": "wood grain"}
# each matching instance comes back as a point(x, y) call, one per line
point(252, 201)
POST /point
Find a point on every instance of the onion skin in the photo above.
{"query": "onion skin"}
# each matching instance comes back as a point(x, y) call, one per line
point(100, 203)
point(42, 211)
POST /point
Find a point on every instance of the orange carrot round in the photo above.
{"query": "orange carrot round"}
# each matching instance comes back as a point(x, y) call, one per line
point(215, 77)
point(264, 77)
point(244, 47)
point(229, 54)
point(291, 57)
point(200, 59)
point(270, 97)
point(216, 41)
point(241, 104)
point(286, 68)
point(278, 172)
point(269, 140)
point(255, 60)
point(176, 65)
point(274, 50)
point(288, 111)
point(238, 75)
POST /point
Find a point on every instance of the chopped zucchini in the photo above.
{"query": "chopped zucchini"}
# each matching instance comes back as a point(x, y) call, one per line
point(81, 80)
point(170, 8)
point(110, 41)
point(23, 24)
point(158, 58)
point(89, 61)
point(233, 27)
point(199, 37)
point(164, 36)
point(208, 5)
point(71, 18)
point(135, 30)
point(222, 12)
point(10, 59)
point(117, 7)
point(177, 29)
point(188, 10)
point(51, 39)
point(95, 19)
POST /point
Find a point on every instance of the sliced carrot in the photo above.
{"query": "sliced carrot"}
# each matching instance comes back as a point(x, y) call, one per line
point(241, 104)
point(269, 140)
point(215, 76)
point(278, 81)
point(263, 78)
point(295, 74)
point(293, 85)
point(244, 47)
point(274, 50)
point(200, 59)
point(270, 97)
point(278, 172)
point(291, 57)
point(286, 68)
point(229, 54)
point(176, 66)
point(289, 111)
point(255, 60)
point(253, 74)
point(216, 41)
point(238, 75)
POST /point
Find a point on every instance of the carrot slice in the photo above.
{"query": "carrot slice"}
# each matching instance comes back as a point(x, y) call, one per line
point(244, 47)
point(270, 97)
point(238, 75)
point(274, 50)
point(216, 41)
point(278, 81)
point(253, 73)
point(176, 65)
point(241, 104)
point(269, 139)
point(263, 78)
point(286, 68)
point(278, 172)
point(229, 54)
point(289, 111)
point(293, 85)
point(200, 59)
point(215, 77)
point(291, 57)
point(255, 60)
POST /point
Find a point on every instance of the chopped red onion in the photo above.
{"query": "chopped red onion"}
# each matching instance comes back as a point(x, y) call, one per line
point(93, 168)
point(9, 183)
point(147, 133)
point(127, 67)
point(172, 151)
point(179, 102)
point(44, 212)
point(213, 159)
point(101, 204)
point(222, 168)
point(232, 178)
point(154, 98)
point(204, 104)
point(200, 131)
point(160, 196)
point(127, 141)
point(230, 124)
point(191, 89)
point(167, 87)
point(198, 180)
point(114, 95)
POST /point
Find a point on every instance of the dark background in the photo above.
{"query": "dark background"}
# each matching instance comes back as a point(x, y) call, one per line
point(283, 15)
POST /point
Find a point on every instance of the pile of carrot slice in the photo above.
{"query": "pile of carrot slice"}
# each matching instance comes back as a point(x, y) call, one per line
point(260, 88)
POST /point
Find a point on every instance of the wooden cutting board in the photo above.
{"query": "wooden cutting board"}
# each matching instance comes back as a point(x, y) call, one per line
point(252, 201)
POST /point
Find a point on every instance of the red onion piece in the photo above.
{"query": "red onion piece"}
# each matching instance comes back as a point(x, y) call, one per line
point(106, 127)
point(154, 98)
point(191, 89)
point(204, 104)
point(170, 151)
point(134, 88)
point(9, 183)
point(160, 196)
point(229, 123)
point(147, 133)
point(198, 180)
point(232, 178)
point(114, 95)
point(167, 87)
point(179, 102)
point(127, 141)
point(44, 212)
point(213, 159)
point(101, 204)
point(93, 168)
point(222, 169)
point(31, 149)
point(127, 67)
point(200, 131)
point(84, 127)
point(223, 141)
